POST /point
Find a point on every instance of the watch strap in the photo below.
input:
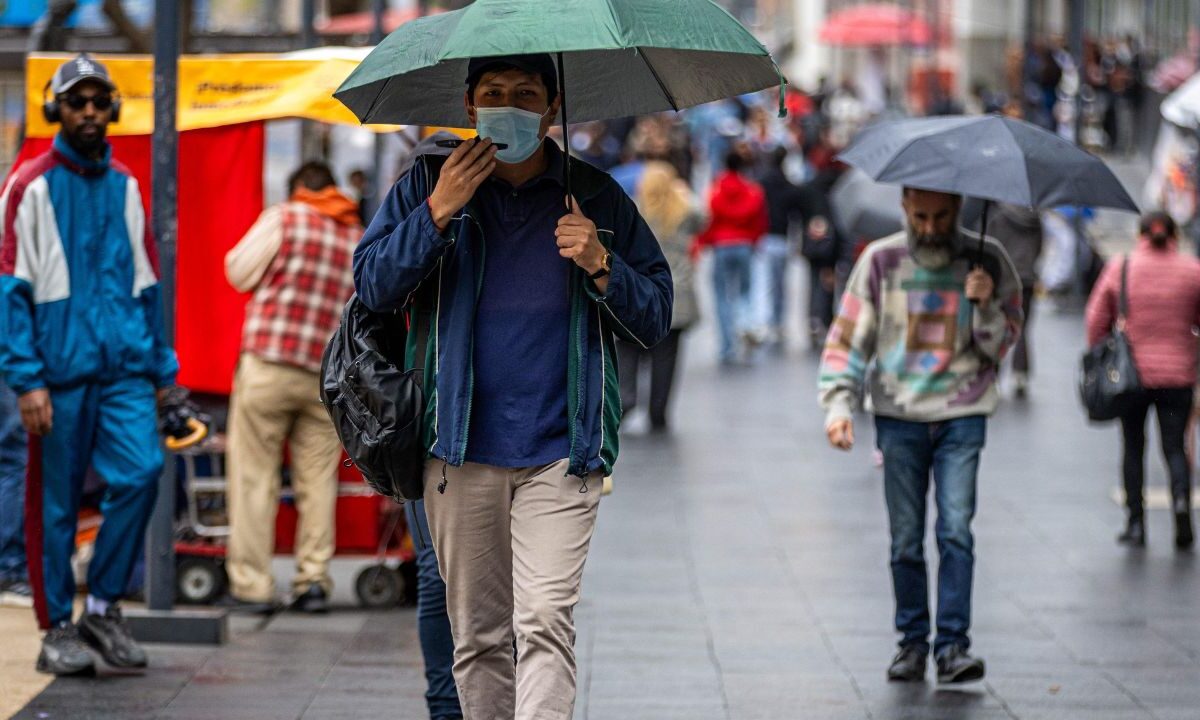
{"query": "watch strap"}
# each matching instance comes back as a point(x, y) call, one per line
point(604, 268)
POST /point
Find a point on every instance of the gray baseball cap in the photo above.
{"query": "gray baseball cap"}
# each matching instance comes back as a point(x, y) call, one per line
point(76, 70)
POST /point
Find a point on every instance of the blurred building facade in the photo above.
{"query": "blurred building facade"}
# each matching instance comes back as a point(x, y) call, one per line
point(978, 34)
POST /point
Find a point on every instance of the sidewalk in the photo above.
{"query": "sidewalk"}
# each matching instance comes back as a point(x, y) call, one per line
point(740, 572)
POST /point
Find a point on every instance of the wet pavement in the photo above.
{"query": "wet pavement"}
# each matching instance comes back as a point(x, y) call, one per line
point(739, 572)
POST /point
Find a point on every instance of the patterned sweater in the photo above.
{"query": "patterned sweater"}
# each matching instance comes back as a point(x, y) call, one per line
point(935, 354)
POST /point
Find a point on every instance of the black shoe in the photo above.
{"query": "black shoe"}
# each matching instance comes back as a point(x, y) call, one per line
point(908, 665)
point(63, 652)
point(246, 607)
point(313, 600)
point(109, 635)
point(16, 593)
point(1184, 537)
point(957, 666)
point(1135, 532)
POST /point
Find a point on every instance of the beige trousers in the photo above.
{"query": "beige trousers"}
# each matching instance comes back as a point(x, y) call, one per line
point(511, 544)
point(271, 404)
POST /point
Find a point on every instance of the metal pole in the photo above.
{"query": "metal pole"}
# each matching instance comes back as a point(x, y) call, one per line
point(310, 136)
point(1196, 27)
point(378, 7)
point(1028, 46)
point(160, 540)
point(1075, 39)
point(308, 15)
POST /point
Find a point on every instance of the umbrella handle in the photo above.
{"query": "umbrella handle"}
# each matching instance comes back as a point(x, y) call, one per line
point(983, 223)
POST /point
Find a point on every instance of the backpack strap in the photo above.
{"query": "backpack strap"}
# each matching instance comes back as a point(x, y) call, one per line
point(431, 165)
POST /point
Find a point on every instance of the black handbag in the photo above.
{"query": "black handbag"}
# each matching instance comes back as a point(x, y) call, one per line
point(1108, 376)
point(377, 408)
point(819, 241)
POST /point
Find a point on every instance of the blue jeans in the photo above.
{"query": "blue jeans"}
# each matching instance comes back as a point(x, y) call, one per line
point(911, 451)
point(731, 285)
point(433, 624)
point(772, 281)
point(12, 488)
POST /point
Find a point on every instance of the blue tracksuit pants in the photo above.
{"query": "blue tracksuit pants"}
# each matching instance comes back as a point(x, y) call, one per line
point(113, 429)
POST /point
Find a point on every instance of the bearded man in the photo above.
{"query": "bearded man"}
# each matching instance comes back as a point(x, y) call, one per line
point(937, 316)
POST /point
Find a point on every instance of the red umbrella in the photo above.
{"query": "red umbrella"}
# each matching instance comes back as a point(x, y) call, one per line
point(875, 24)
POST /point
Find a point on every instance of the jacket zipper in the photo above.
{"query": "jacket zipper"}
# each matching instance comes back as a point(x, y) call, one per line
point(462, 452)
point(437, 356)
point(603, 382)
point(580, 394)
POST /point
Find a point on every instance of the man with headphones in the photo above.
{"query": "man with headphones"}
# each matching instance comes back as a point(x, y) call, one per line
point(82, 345)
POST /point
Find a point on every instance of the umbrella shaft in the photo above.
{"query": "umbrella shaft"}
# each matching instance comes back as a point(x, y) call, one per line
point(562, 102)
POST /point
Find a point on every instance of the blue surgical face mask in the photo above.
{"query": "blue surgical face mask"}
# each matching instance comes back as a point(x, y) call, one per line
point(517, 128)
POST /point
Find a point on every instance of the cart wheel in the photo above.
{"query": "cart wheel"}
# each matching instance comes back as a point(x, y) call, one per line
point(199, 580)
point(378, 586)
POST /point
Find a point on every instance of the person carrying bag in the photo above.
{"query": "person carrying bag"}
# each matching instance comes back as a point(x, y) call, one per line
point(1141, 320)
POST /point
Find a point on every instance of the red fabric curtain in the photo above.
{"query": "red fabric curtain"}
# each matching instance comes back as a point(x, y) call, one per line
point(220, 197)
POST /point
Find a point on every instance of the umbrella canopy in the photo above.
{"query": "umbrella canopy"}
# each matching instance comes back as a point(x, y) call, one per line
point(1182, 107)
point(989, 157)
point(875, 24)
point(864, 209)
point(620, 58)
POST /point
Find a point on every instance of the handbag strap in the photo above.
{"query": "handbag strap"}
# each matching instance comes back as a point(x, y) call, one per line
point(1123, 298)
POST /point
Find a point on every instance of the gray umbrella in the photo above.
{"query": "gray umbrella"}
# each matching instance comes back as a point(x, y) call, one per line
point(865, 209)
point(990, 157)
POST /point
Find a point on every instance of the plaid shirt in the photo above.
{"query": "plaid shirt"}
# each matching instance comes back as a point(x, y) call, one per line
point(297, 305)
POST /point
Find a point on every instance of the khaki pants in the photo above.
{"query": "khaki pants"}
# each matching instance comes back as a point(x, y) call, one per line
point(511, 546)
point(273, 403)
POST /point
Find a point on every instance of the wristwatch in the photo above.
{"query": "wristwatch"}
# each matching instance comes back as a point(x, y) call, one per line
point(605, 268)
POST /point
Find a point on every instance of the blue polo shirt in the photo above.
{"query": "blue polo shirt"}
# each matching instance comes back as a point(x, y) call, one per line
point(522, 324)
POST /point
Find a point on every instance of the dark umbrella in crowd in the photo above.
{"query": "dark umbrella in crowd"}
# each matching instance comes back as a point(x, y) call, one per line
point(991, 157)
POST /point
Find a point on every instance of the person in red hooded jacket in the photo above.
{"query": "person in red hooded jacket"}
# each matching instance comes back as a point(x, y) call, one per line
point(737, 219)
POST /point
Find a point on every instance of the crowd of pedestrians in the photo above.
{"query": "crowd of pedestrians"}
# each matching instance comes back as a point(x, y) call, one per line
point(539, 310)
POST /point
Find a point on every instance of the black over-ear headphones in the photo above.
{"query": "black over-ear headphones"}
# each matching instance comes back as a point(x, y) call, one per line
point(52, 111)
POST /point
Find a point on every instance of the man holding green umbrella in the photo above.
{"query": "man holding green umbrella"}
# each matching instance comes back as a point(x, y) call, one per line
point(521, 297)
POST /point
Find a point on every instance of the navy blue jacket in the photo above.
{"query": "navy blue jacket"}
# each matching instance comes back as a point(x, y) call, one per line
point(404, 264)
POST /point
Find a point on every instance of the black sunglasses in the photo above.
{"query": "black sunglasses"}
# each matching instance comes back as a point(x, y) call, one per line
point(79, 102)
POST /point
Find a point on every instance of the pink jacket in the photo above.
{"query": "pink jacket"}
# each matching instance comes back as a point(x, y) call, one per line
point(1164, 307)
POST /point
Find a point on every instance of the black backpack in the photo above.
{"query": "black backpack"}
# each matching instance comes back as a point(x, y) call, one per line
point(377, 407)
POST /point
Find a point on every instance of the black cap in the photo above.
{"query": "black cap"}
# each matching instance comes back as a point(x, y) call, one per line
point(537, 64)
point(76, 70)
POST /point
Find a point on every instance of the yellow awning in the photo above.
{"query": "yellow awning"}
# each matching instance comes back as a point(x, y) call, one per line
point(214, 90)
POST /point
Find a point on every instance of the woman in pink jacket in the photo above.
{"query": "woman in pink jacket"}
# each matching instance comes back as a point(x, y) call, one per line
point(1164, 310)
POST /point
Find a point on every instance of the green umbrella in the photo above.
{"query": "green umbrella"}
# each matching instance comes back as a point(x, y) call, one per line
point(616, 58)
